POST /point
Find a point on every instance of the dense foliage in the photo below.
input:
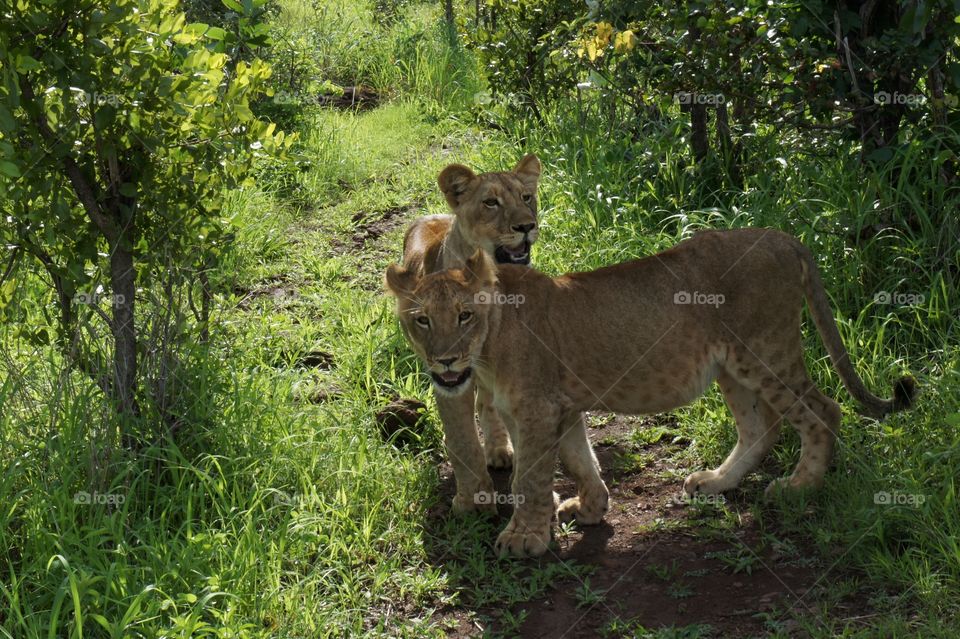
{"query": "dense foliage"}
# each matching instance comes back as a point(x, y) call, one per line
point(880, 74)
point(194, 343)
point(120, 129)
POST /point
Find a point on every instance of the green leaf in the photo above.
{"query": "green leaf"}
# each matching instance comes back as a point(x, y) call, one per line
point(233, 5)
point(243, 112)
point(6, 291)
point(26, 64)
point(9, 169)
point(13, 89)
point(105, 117)
point(7, 123)
point(215, 33)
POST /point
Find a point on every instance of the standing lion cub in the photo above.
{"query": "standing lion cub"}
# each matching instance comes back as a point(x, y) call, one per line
point(495, 212)
point(644, 336)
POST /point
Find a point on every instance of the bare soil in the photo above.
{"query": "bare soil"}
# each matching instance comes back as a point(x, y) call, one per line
point(659, 561)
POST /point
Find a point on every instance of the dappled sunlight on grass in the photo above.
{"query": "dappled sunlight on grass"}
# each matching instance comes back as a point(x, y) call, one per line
point(272, 504)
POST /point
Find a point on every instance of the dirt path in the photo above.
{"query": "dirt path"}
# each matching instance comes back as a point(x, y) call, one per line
point(656, 569)
point(657, 562)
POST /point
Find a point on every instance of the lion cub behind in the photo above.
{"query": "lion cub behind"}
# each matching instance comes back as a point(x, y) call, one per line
point(644, 336)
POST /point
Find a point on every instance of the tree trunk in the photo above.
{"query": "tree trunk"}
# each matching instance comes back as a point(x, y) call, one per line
point(725, 144)
point(699, 142)
point(205, 302)
point(124, 284)
point(116, 222)
point(938, 111)
point(451, 27)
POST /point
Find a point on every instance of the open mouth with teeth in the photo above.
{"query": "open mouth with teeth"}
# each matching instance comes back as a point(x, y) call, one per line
point(519, 254)
point(451, 379)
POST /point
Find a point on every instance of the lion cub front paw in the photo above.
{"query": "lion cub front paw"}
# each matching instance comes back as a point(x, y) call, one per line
point(585, 514)
point(499, 457)
point(522, 541)
point(706, 482)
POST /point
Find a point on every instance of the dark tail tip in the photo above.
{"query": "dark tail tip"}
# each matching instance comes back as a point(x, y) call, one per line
point(904, 392)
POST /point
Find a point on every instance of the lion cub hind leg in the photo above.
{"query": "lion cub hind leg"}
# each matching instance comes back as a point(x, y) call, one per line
point(817, 418)
point(576, 454)
point(497, 448)
point(787, 388)
point(758, 427)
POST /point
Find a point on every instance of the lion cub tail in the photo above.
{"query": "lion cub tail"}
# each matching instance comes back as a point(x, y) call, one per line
point(904, 389)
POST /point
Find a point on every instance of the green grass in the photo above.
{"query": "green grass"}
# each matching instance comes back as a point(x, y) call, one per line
point(274, 515)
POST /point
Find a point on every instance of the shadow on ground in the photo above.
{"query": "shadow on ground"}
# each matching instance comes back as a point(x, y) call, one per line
point(656, 562)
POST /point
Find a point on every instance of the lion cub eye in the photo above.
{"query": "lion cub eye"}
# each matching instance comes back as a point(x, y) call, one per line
point(465, 316)
point(526, 197)
point(423, 321)
point(491, 202)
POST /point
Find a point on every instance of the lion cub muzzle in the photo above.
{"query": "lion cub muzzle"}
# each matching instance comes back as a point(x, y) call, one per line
point(450, 381)
point(519, 254)
point(515, 249)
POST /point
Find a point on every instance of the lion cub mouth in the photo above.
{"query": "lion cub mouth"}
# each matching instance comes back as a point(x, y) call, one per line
point(451, 379)
point(519, 254)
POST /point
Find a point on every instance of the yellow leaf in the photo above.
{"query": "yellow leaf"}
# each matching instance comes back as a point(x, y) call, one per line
point(592, 51)
point(604, 32)
point(625, 41)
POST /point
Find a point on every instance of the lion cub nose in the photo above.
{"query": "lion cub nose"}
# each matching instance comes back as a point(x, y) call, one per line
point(523, 228)
point(447, 361)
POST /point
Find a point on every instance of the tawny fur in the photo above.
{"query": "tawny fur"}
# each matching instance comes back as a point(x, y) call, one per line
point(437, 242)
point(620, 339)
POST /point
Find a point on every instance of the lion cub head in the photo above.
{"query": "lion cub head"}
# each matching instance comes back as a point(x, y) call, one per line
point(496, 211)
point(445, 317)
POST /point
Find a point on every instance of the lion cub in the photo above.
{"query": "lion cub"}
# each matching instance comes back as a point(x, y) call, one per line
point(644, 336)
point(496, 212)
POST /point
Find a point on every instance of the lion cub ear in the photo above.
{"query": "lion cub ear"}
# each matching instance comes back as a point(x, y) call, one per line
point(480, 270)
point(454, 182)
point(528, 170)
point(399, 281)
